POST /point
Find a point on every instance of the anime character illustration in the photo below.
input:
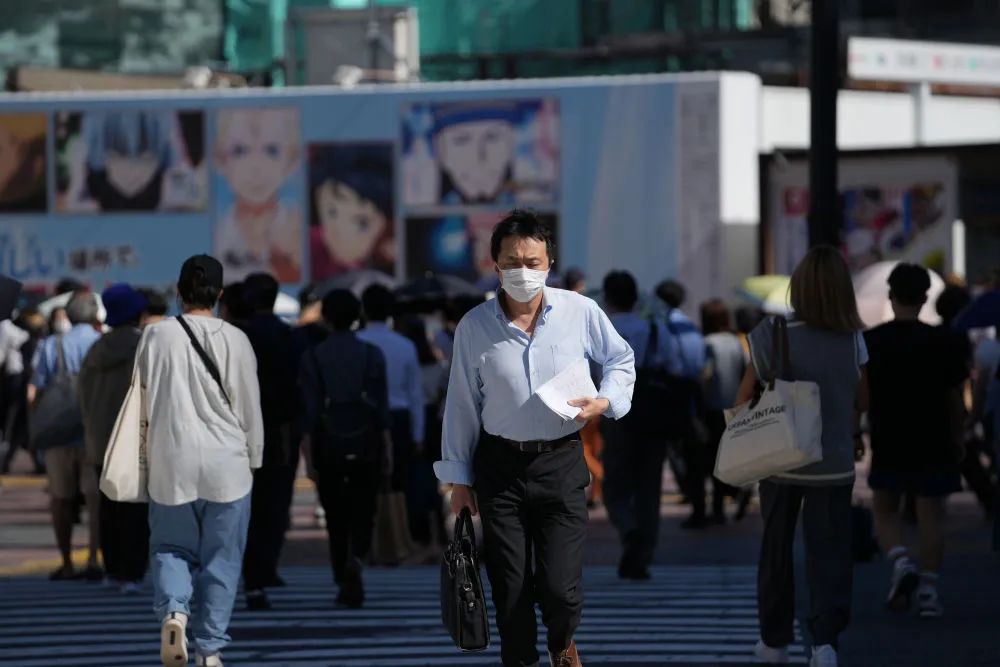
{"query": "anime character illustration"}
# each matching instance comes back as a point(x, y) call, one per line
point(22, 163)
point(132, 160)
point(497, 152)
point(351, 208)
point(258, 155)
point(457, 245)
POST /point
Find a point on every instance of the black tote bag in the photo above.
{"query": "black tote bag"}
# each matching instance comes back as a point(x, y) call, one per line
point(463, 607)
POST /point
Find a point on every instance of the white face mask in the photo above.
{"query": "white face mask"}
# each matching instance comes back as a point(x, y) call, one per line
point(523, 285)
point(62, 326)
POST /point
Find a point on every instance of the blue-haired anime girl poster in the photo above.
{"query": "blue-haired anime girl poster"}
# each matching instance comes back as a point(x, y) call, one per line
point(351, 221)
point(133, 160)
point(493, 152)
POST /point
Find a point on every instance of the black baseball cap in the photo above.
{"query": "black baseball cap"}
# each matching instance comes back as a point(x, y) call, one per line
point(204, 270)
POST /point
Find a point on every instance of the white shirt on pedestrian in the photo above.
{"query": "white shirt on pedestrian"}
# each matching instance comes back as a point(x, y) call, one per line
point(199, 446)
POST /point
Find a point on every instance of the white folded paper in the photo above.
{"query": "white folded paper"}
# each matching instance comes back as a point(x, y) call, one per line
point(572, 383)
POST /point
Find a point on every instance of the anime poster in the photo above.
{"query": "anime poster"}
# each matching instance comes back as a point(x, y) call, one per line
point(880, 223)
point(22, 163)
point(497, 152)
point(257, 161)
point(351, 223)
point(457, 245)
point(132, 160)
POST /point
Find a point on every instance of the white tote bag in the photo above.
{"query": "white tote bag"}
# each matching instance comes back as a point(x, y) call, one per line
point(125, 477)
point(780, 430)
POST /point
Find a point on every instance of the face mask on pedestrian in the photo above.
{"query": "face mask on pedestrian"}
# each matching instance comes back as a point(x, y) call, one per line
point(61, 326)
point(523, 284)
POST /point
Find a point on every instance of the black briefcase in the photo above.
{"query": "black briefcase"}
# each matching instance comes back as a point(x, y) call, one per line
point(463, 607)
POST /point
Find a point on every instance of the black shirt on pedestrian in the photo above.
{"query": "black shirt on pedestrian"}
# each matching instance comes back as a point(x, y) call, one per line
point(912, 372)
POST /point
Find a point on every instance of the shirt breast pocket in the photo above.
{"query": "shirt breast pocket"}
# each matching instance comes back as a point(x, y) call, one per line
point(563, 355)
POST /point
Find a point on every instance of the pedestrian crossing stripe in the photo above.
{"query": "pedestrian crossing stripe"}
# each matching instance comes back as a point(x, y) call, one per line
point(698, 615)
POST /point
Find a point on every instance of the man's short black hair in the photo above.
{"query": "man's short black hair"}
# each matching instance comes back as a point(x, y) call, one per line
point(526, 225)
point(341, 309)
point(200, 281)
point(909, 284)
point(261, 292)
point(379, 303)
point(156, 303)
point(671, 293)
point(621, 291)
point(235, 302)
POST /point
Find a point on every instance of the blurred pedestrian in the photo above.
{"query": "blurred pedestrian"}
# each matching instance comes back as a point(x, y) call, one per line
point(59, 322)
point(724, 370)
point(525, 461)
point(104, 381)
point(156, 307)
point(635, 449)
point(916, 417)
point(685, 362)
point(426, 513)
point(274, 482)
point(17, 371)
point(575, 280)
point(346, 415)
point(57, 367)
point(825, 346)
point(233, 306)
point(406, 388)
point(205, 438)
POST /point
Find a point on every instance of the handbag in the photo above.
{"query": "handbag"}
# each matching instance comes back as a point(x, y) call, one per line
point(780, 430)
point(463, 605)
point(57, 420)
point(125, 474)
point(392, 542)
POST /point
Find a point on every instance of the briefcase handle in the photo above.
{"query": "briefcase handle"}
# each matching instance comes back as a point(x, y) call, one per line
point(465, 532)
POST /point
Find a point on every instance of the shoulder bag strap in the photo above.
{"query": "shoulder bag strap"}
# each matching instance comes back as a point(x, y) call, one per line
point(61, 368)
point(781, 365)
point(213, 370)
point(651, 344)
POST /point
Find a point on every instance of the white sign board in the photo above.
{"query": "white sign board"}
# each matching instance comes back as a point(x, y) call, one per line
point(876, 59)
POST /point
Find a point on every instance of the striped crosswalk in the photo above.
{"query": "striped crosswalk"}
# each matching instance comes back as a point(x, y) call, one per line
point(684, 616)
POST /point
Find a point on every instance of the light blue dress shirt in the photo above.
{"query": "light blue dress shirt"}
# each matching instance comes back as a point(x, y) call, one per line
point(496, 369)
point(75, 344)
point(405, 379)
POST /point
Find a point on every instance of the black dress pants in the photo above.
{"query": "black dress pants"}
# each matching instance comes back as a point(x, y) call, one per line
point(124, 539)
point(534, 513)
point(633, 488)
point(347, 492)
point(270, 507)
point(826, 527)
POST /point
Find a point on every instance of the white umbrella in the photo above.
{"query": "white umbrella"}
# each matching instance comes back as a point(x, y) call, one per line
point(46, 307)
point(871, 288)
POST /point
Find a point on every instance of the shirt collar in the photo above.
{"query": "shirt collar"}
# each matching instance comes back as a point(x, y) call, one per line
point(546, 305)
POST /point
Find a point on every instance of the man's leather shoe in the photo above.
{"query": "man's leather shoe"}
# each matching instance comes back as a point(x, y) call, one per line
point(567, 658)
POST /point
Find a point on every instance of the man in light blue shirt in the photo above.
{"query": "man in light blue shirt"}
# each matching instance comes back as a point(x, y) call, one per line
point(406, 389)
point(524, 461)
point(70, 474)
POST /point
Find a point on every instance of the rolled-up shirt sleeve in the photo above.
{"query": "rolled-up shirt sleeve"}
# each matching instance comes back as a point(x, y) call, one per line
point(617, 359)
point(462, 415)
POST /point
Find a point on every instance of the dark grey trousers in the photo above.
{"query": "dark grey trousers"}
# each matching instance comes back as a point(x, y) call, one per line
point(826, 528)
point(534, 511)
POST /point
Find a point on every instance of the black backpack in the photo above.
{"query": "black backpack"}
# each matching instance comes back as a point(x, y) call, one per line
point(345, 430)
point(662, 403)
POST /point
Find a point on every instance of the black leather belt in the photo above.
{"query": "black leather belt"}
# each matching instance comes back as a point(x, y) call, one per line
point(536, 446)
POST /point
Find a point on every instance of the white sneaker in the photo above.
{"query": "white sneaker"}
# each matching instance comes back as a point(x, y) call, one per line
point(208, 661)
point(770, 656)
point(928, 602)
point(823, 656)
point(173, 640)
point(905, 580)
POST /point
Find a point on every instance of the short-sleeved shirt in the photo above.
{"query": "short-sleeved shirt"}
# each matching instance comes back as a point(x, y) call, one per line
point(832, 360)
point(913, 370)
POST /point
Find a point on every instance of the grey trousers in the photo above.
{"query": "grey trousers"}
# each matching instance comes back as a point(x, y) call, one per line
point(826, 528)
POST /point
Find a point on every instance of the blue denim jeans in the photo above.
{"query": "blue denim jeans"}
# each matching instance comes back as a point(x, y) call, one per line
point(196, 551)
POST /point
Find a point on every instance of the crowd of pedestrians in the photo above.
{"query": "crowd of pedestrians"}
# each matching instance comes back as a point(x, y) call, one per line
point(364, 396)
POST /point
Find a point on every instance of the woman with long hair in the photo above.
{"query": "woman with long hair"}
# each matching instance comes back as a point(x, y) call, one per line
point(825, 346)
